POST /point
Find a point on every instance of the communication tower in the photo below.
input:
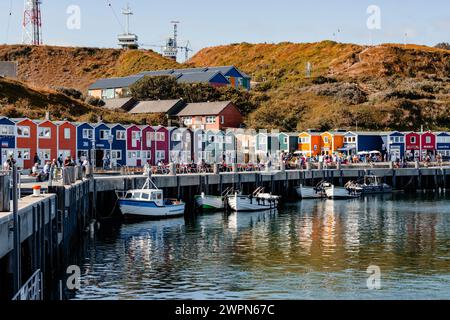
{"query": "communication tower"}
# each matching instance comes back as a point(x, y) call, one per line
point(32, 23)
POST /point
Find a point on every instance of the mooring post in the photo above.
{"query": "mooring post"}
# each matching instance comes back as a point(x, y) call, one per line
point(16, 226)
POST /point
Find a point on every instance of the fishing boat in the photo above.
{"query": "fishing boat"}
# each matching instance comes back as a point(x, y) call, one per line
point(209, 203)
point(337, 193)
point(370, 185)
point(317, 192)
point(149, 203)
point(258, 201)
point(212, 203)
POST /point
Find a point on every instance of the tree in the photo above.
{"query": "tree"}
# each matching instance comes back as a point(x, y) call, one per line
point(167, 88)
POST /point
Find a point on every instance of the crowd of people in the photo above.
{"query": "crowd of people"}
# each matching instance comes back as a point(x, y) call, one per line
point(41, 171)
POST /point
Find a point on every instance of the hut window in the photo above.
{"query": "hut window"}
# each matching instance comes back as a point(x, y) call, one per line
point(413, 140)
point(87, 134)
point(23, 131)
point(66, 133)
point(7, 130)
point(121, 135)
point(428, 140)
point(104, 134)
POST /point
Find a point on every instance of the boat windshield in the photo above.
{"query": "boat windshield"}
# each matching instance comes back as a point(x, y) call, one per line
point(137, 195)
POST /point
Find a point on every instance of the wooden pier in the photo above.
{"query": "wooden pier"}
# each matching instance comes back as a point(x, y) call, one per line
point(50, 225)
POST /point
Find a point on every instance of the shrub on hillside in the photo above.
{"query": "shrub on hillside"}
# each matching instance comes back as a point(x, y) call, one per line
point(323, 80)
point(70, 92)
point(443, 45)
point(408, 94)
point(349, 93)
point(94, 101)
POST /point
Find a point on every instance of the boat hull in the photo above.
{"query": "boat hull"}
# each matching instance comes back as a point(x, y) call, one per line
point(242, 203)
point(309, 193)
point(337, 193)
point(140, 209)
point(209, 203)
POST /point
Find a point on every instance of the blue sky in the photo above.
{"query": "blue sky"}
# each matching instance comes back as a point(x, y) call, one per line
point(209, 22)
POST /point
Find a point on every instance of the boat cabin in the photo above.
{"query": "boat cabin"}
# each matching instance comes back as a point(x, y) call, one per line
point(151, 195)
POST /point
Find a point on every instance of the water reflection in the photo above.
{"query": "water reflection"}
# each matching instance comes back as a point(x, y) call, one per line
point(309, 249)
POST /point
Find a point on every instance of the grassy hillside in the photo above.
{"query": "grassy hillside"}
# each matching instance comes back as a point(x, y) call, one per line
point(77, 68)
point(383, 87)
point(17, 99)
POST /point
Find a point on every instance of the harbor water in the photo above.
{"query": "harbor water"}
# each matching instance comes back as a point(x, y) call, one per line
point(314, 249)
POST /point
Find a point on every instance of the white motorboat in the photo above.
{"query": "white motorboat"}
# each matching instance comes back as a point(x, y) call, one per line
point(258, 201)
point(337, 193)
point(210, 203)
point(317, 192)
point(149, 203)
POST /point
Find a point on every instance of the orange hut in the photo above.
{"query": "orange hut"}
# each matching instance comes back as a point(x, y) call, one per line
point(309, 143)
point(332, 141)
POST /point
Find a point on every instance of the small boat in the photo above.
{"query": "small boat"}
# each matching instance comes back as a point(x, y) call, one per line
point(370, 185)
point(209, 203)
point(149, 202)
point(258, 201)
point(212, 203)
point(317, 192)
point(336, 193)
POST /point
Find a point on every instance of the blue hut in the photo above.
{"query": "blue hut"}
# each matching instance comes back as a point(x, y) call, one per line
point(102, 148)
point(443, 145)
point(288, 142)
point(395, 142)
point(119, 145)
point(355, 142)
point(85, 141)
point(7, 138)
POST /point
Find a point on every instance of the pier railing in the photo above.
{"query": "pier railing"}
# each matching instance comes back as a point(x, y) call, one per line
point(32, 289)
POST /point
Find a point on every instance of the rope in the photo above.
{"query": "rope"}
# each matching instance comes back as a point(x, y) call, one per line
point(115, 15)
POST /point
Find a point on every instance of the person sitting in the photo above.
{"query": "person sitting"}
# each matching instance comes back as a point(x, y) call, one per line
point(45, 173)
point(35, 170)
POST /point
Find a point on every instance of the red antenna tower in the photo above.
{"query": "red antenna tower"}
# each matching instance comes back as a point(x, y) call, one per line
point(32, 23)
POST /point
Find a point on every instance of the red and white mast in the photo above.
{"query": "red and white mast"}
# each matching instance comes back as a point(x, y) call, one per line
point(32, 23)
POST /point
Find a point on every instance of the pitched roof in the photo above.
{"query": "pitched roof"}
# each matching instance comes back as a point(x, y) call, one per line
point(112, 83)
point(187, 75)
point(158, 106)
point(120, 103)
point(204, 108)
point(199, 77)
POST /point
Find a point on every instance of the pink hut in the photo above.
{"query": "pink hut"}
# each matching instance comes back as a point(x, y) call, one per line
point(134, 146)
point(161, 143)
point(428, 144)
point(148, 137)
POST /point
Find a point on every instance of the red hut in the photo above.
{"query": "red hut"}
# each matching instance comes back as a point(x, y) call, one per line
point(412, 146)
point(67, 140)
point(148, 137)
point(26, 143)
point(161, 145)
point(428, 144)
point(134, 146)
point(47, 141)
